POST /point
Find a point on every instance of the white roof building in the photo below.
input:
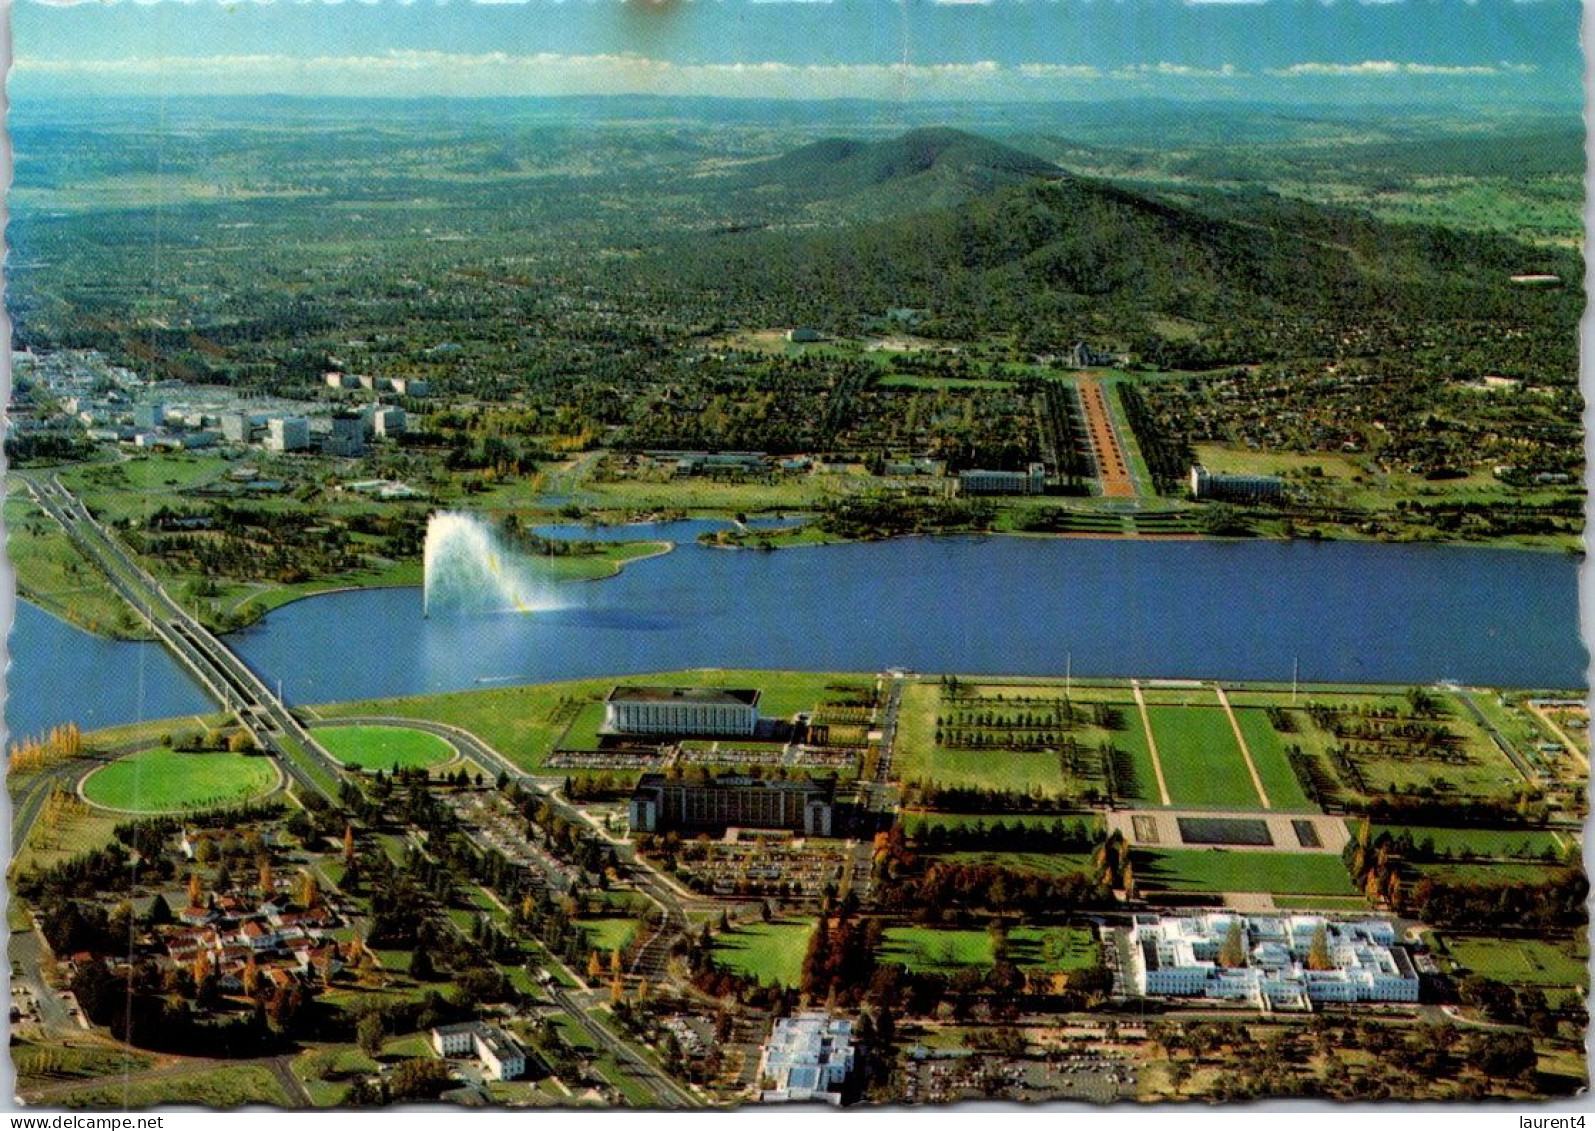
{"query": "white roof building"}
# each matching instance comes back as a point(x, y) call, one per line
point(808, 1057)
point(1178, 956)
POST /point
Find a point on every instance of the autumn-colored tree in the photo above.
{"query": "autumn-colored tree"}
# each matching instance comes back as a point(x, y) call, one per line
point(268, 882)
point(615, 966)
point(1233, 952)
point(595, 967)
point(1318, 950)
point(309, 893)
point(348, 845)
point(1372, 888)
point(251, 976)
point(196, 890)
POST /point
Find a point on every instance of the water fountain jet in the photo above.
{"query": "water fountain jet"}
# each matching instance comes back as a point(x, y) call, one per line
point(467, 567)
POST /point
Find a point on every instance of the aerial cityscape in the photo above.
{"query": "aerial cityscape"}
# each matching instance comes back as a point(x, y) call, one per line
point(692, 557)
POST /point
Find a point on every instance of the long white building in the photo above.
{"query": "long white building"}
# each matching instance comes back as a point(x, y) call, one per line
point(681, 711)
point(1178, 956)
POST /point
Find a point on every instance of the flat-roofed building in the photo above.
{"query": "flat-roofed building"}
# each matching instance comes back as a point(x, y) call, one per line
point(978, 481)
point(501, 1056)
point(1179, 956)
point(808, 1057)
point(1207, 484)
point(708, 711)
point(661, 804)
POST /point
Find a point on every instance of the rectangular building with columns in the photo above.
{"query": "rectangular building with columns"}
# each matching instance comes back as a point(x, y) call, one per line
point(707, 711)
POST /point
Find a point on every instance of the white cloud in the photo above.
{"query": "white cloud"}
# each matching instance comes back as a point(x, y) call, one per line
point(1385, 68)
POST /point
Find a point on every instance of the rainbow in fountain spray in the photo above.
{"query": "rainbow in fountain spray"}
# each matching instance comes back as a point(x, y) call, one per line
point(467, 568)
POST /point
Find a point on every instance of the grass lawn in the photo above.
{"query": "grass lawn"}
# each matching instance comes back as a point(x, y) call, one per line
point(75, 835)
point(933, 950)
point(1290, 873)
point(41, 1063)
point(1321, 902)
point(384, 748)
point(1488, 875)
point(1202, 763)
point(1046, 863)
point(1489, 844)
point(232, 1086)
point(523, 723)
point(1268, 755)
point(159, 780)
point(328, 1073)
point(1526, 962)
point(583, 732)
point(770, 952)
point(608, 934)
point(1020, 771)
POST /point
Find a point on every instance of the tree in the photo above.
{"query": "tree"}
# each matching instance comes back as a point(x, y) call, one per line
point(160, 912)
point(309, 893)
point(1233, 951)
point(196, 890)
point(348, 845)
point(369, 1034)
point(1318, 957)
point(421, 968)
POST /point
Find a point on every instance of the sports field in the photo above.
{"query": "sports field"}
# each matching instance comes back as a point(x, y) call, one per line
point(1202, 763)
point(769, 952)
point(161, 780)
point(1214, 870)
point(933, 950)
point(384, 748)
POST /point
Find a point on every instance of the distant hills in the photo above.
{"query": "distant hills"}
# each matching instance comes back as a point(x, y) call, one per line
point(1020, 242)
point(931, 167)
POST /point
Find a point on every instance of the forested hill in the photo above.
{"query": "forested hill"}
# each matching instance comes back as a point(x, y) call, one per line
point(926, 167)
point(1246, 277)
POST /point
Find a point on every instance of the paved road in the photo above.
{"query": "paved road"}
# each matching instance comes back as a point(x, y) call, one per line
point(227, 678)
point(654, 1080)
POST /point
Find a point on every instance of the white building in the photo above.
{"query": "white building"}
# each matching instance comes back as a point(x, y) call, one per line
point(1178, 956)
point(808, 1057)
point(501, 1056)
point(287, 434)
point(1031, 481)
point(681, 711)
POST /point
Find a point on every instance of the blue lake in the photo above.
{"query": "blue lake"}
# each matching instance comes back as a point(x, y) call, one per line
point(1231, 610)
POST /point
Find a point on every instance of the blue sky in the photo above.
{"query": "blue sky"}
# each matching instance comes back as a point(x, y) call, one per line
point(1291, 50)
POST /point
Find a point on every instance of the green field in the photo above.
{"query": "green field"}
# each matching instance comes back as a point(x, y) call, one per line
point(1213, 870)
point(1268, 755)
point(608, 934)
point(1044, 863)
point(1483, 844)
point(1202, 762)
point(384, 748)
point(1486, 875)
point(933, 950)
point(524, 723)
point(1020, 771)
point(768, 952)
point(232, 1086)
point(161, 780)
point(1526, 962)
